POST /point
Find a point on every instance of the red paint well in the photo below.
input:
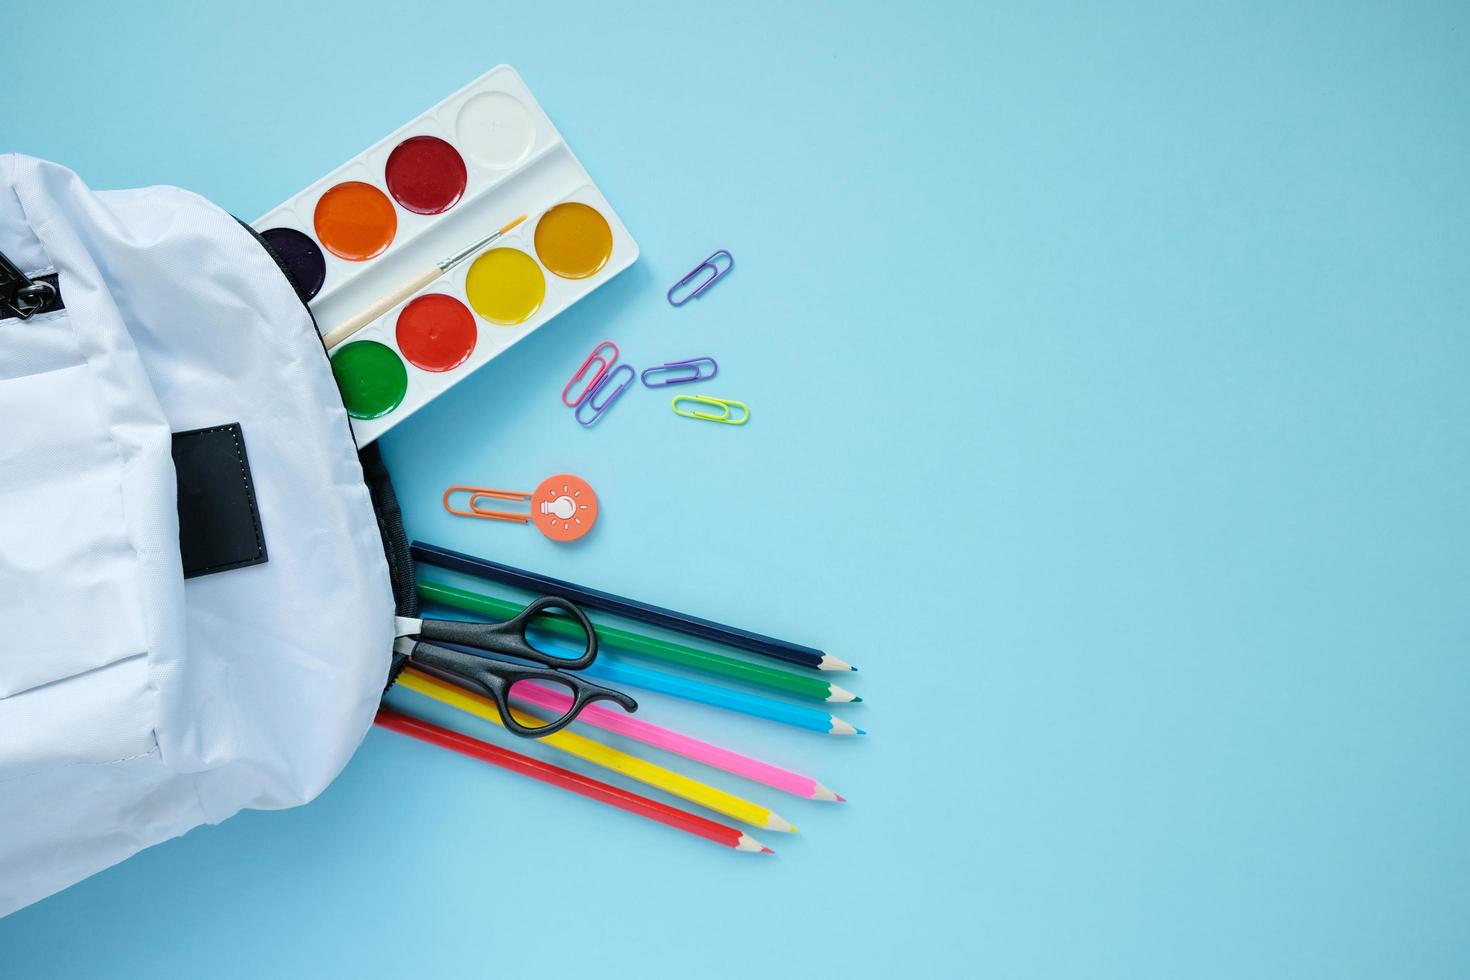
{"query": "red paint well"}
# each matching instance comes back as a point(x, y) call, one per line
point(436, 332)
point(426, 175)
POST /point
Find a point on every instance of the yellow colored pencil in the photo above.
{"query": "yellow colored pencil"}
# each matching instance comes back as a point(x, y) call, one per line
point(599, 754)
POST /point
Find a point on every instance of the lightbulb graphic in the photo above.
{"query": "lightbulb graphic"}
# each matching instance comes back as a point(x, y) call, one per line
point(563, 507)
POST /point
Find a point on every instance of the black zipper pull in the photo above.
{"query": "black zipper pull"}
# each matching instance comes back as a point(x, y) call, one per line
point(24, 297)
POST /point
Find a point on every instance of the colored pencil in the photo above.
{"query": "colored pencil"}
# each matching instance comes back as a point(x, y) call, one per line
point(566, 779)
point(744, 702)
point(766, 646)
point(677, 743)
point(598, 754)
point(801, 685)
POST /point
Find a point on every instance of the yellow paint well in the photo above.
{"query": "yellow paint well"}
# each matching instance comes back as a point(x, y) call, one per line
point(505, 286)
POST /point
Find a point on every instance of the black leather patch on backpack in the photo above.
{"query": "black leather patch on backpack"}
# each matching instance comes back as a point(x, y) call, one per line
point(219, 522)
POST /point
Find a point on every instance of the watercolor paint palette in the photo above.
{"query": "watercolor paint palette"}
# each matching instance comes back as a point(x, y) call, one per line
point(483, 157)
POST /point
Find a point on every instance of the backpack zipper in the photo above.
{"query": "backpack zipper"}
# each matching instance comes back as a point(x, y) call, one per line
point(22, 296)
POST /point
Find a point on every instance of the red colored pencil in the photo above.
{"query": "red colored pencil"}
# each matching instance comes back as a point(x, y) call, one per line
point(566, 779)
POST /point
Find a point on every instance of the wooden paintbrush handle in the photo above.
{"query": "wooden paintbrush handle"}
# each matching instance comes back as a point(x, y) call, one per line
point(344, 330)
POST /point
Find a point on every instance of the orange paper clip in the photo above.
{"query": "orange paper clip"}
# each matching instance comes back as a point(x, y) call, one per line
point(563, 507)
point(473, 508)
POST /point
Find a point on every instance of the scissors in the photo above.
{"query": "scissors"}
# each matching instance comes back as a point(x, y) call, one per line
point(498, 678)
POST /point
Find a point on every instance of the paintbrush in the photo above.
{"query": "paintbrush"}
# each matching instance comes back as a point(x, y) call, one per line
point(342, 331)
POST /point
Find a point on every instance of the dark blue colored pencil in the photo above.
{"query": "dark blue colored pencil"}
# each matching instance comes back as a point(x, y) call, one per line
point(766, 646)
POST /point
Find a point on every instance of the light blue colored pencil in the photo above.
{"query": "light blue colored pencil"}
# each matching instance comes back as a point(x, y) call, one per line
point(721, 697)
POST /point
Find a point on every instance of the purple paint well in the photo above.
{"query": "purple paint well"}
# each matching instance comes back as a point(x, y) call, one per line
point(301, 256)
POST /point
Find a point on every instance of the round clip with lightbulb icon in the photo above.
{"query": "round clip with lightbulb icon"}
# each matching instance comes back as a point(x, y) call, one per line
point(563, 507)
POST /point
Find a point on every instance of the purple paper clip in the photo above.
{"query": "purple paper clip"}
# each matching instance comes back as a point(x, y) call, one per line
point(716, 274)
point(590, 399)
point(603, 363)
point(673, 367)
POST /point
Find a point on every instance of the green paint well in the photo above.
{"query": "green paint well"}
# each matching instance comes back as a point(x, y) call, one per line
point(372, 378)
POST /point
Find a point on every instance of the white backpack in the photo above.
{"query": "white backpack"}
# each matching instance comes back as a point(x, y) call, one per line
point(182, 641)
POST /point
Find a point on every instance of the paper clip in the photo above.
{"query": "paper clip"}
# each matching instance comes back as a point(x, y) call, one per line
point(673, 367)
point(720, 403)
point(716, 274)
point(563, 507)
point(473, 508)
point(590, 401)
point(603, 364)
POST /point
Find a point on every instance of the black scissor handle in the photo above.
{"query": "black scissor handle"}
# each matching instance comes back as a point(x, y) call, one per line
point(510, 637)
point(494, 678)
point(522, 622)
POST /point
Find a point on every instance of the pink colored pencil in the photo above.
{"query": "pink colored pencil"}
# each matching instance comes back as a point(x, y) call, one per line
point(671, 741)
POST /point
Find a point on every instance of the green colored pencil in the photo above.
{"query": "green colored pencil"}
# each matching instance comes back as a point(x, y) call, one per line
point(802, 685)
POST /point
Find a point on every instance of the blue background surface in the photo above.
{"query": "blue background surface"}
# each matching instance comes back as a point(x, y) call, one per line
point(1108, 379)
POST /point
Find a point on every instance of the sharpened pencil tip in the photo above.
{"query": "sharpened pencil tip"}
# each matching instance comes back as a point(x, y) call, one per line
point(856, 698)
point(841, 799)
point(775, 822)
point(767, 850)
point(861, 731)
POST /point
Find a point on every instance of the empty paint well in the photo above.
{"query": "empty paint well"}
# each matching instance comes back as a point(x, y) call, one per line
point(371, 377)
point(436, 332)
point(573, 240)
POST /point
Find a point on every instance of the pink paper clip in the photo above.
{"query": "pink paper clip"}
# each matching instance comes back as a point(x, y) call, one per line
point(615, 390)
point(603, 365)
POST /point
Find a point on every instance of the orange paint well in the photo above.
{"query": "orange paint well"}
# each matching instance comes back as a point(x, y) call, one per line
point(355, 221)
point(573, 240)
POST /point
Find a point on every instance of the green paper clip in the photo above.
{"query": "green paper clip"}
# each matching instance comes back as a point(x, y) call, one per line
point(718, 403)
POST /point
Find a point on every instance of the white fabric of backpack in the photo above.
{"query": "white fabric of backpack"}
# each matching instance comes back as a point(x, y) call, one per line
point(135, 705)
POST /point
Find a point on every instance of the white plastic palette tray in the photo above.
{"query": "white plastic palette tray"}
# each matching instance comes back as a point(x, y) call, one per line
point(515, 163)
